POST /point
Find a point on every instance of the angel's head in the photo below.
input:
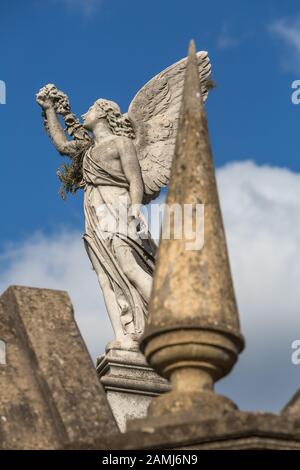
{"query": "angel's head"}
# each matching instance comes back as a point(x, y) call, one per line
point(109, 111)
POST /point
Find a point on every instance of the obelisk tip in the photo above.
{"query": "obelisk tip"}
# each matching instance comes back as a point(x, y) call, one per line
point(192, 48)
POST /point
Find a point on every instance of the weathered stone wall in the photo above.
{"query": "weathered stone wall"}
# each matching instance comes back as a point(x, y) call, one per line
point(49, 391)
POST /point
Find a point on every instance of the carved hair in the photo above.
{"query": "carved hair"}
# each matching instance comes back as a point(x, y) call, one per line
point(71, 175)
point(118, 123)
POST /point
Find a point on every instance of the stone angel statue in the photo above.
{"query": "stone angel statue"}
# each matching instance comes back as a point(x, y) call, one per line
point(121, 161)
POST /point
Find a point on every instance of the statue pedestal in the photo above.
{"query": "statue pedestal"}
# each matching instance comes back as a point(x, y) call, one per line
point(130, 384)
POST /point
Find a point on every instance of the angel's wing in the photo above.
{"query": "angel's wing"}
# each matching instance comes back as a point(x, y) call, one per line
point(154, 113)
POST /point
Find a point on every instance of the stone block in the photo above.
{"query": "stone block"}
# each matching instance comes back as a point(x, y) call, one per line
point(130, 384)
point(50, 395)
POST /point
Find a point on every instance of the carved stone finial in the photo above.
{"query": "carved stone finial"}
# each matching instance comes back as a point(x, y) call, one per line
point(193, 335)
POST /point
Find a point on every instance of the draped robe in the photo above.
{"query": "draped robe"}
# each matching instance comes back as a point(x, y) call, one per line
point(107, 223)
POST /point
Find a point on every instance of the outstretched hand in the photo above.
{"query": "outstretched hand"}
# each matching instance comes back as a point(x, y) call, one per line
point(49, 95)
point(44, 101)
point(43, 97)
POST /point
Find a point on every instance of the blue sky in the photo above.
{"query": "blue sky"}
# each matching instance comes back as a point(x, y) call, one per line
point(110, 48)
point(94, 48)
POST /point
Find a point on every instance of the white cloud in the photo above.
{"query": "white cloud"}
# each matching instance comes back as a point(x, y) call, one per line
point(87, 7)
point(261, 208)
point(60, 262)
point(288, 30)
point(226, 40)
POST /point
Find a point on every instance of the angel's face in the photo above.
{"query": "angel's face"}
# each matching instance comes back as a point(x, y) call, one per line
point(91, 117)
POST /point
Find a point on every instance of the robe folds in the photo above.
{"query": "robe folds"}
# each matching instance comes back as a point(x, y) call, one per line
point(107, 226)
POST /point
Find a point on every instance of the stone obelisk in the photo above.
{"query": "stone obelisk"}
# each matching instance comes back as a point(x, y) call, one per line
point(193, 336)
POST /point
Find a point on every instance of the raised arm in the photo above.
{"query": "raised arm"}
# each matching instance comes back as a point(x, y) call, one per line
point(58, 137)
